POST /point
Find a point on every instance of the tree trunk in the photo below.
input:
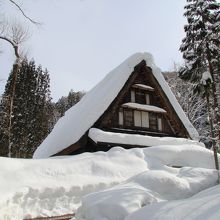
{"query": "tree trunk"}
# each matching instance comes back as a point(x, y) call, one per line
point(11, 104)
point(215, 149)
point(214, 93)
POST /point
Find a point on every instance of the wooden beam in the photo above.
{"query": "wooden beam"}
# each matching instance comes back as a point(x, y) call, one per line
point(61, 217)
point(126, 146)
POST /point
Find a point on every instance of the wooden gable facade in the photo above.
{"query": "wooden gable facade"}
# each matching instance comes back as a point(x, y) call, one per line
point(141, 107)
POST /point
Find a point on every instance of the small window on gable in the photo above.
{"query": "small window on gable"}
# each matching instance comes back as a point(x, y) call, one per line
point(141, 119)
point(137, 118)
point(140, 97)
point(153, 121)
point(159, 121)
point(120, 117)
point(145, 119)
point(147, 99)
point(133, 96)
point(128, 117)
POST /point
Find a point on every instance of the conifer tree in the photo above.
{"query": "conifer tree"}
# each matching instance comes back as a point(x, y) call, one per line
point(61, 106)
point(73, 98)
point(31, 113)
point(201, 51)
point(64, 103)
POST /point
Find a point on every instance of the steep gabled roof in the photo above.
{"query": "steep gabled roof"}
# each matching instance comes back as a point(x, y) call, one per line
point(78, 119)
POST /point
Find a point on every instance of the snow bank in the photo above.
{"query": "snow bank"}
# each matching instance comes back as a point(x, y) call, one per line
point(159, 183)
point(31, 188)
point(149, 187)
point(55, 186)
point(202, 206)
point(78, 119)
point(190, 155)
point(98, 135)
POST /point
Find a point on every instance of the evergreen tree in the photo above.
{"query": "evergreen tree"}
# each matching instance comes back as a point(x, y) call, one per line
point(44, 111)
point(61, 106)
point(31, 111)
point(201, 52)
point(64, 103)
point(73, 98)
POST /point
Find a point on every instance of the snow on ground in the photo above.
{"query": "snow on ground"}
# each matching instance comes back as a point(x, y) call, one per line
point(149, 187)
point(202, 206)
point(189, 155)
point(55, 186)
point(159, 184)
point(104, 185)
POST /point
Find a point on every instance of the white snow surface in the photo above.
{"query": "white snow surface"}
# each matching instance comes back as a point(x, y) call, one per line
point(82, 183)
point(150, 108)
point(152, 186)
point(205, 77)
point(78, 119)
point(144, 87)
point(202, 206)
point(98, 135)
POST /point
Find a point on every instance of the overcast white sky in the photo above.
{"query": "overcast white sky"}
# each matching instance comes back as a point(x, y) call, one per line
point(80, 41)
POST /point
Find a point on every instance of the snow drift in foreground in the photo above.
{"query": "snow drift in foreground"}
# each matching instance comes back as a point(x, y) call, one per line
point(149, 187)
point(202, 206)
point(82, 183)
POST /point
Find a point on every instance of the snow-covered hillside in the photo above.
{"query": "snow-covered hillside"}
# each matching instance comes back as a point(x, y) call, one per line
point(116, 185)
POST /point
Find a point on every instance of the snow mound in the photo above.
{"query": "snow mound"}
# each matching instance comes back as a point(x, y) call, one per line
point(202, 206)
point(149, 187)
point(78, 119)
point(56, 186)
point(182, 155)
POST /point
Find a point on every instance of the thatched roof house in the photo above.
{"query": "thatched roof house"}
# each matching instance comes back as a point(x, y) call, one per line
point(133, 104)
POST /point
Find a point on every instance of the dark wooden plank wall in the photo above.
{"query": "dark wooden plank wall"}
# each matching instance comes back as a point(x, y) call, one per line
point(142, 75)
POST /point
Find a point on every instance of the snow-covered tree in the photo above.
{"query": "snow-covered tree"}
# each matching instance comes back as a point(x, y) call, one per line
point(73, 98)
point(31, 111)
point(64, 103)
point(201, 51)
point(193, 105)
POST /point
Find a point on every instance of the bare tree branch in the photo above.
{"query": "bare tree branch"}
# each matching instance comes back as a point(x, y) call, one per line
point(15, 46)
point(15, 35)
point(23, 13)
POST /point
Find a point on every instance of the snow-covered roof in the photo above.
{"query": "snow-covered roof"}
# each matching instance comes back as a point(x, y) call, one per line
point(149, 108)
point(144, 87)
point(98, 135)
point(78, 119)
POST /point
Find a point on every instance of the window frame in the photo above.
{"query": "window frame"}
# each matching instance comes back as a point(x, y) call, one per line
point(124, 117)
point(146, 100)
point(157, 126)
